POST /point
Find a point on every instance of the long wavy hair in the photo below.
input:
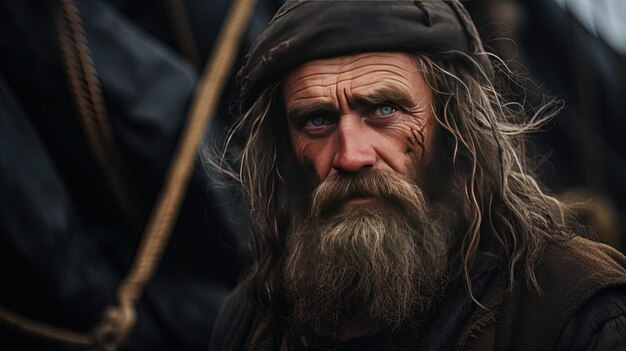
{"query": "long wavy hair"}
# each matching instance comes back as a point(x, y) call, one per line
point(508, 215)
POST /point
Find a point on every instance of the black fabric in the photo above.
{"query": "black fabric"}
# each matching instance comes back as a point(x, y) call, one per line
point(302, 31)
point(599, 325)
point(521, 318)
point(436, 331)
point(64, 244)
point(233, 324)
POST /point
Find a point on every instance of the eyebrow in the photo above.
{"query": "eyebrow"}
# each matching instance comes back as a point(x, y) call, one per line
point(378, 96)
point(306, 109)
point(382, 95)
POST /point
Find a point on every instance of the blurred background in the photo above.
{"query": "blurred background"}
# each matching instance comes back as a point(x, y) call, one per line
point(574, 50)
point(71, 218)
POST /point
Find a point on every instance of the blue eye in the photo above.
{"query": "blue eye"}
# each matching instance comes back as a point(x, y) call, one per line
point(317, 121)
point(317, 125)
point(386, 110)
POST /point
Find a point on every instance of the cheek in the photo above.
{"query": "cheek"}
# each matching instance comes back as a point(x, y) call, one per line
point(417, 137)
point(301, 147)
point(408, 146)
point(311, 175)
point(425, 158)
point(314, 156)
point(410, 138)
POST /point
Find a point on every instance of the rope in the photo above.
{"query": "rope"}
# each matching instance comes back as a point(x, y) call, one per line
point(43, 330)
point(167, 207)
point(111, 332)
point(89, 101)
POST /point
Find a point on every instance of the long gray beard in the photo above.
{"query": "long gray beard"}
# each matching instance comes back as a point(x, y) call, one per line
point(378, 263)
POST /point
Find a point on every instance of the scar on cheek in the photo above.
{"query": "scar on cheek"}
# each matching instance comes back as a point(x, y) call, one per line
point(416, 138)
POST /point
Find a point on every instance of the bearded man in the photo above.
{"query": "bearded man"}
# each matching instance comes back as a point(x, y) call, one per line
point(391, 203)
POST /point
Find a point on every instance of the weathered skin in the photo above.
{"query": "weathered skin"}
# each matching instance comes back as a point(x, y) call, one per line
point(353, 112)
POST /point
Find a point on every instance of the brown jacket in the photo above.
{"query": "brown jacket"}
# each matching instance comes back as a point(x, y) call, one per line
point(571, 273)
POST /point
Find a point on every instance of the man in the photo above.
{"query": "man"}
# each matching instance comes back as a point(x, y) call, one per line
point(391, 200)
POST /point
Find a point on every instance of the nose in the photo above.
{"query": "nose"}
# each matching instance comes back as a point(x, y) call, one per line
point(354, 151)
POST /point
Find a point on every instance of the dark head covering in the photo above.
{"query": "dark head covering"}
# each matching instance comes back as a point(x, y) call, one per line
point(307, 30)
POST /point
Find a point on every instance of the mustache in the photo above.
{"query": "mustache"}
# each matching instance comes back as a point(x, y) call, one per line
point(387, 185)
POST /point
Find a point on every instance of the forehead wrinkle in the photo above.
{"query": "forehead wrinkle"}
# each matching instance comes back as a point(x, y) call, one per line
point(312, 82)
point(325, 69)
point(368, 56)
point(305, 82)
point(316, 99)
point(302, 87)
point(369, 68)
point(355, 74)
point(326, 66)
point(313, 74)
point(381, 66)
point(340, 81)
point(318, 91)
point(388, 82)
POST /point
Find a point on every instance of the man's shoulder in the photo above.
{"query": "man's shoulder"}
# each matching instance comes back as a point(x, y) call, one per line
point(599, 325)
point(585, 249)
point(581, 263)
point(571, 273)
